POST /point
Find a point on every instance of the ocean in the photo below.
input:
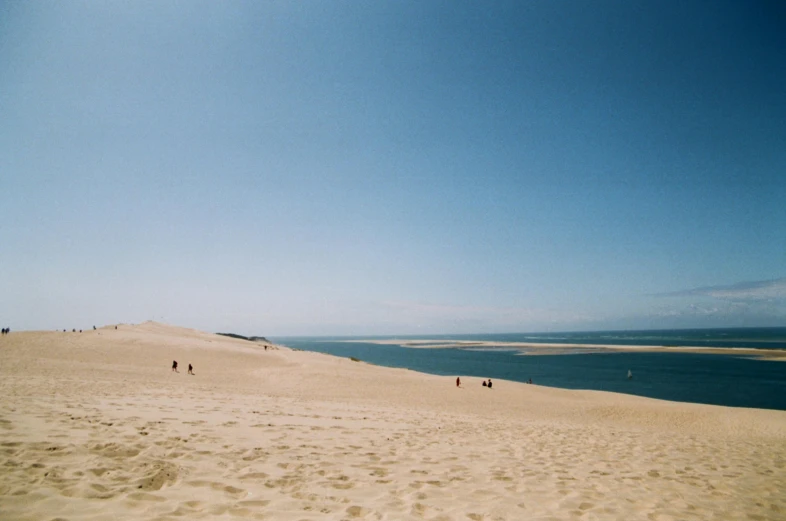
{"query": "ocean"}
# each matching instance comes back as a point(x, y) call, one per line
point(735, 380)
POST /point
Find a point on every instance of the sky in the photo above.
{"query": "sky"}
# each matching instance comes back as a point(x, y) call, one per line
point(403, 167)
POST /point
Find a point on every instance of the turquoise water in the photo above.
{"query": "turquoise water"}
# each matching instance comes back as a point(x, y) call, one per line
point(731, 380)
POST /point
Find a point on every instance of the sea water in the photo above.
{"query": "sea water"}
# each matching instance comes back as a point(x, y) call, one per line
point(736, 379)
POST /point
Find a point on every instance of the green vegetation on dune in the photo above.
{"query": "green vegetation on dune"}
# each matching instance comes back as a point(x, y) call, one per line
point(249, 338)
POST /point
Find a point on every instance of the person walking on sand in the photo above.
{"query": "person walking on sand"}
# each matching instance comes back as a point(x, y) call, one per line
point(174, 366)
point(458, 381)
point(190, 369)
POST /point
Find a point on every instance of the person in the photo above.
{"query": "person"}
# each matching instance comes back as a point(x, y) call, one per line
point(174, 366)
point(190, 369)
point(530, 381)
point(489, 383)
point(484, 383)
point(458, 381)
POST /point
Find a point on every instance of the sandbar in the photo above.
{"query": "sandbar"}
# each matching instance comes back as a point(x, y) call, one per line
point(537, 348)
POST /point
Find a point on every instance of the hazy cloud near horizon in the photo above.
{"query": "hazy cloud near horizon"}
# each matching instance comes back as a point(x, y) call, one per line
point(755, 290)
point(312, 167)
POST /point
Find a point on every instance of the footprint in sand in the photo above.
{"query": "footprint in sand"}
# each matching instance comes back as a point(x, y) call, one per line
point(161, 475)
point(254, 475)
point(357, 511)
point(145, 496)
point(254, 503)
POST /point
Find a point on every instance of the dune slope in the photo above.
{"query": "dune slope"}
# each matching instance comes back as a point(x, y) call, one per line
point(95, 425)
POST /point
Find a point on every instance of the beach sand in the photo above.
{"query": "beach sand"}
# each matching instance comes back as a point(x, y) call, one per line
point(95, 426)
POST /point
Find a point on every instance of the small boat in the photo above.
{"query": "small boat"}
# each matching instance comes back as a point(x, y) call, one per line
point(630, 375)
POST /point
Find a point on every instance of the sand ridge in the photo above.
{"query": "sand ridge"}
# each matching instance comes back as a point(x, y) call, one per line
point(96, 426)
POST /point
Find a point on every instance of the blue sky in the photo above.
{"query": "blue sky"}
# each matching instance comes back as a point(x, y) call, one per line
point(296, 168)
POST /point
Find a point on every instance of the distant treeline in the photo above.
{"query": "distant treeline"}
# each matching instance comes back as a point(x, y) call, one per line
point(249, 338)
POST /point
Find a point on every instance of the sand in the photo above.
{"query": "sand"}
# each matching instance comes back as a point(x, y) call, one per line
point(95, 426)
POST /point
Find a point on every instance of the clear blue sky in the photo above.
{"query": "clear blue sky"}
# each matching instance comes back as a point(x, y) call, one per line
point(314, 167)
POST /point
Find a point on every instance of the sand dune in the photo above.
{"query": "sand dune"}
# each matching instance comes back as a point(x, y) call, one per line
point(96, 426)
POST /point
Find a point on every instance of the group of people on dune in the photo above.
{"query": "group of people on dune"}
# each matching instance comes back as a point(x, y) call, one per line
point(190, 368)
point(485, 384)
